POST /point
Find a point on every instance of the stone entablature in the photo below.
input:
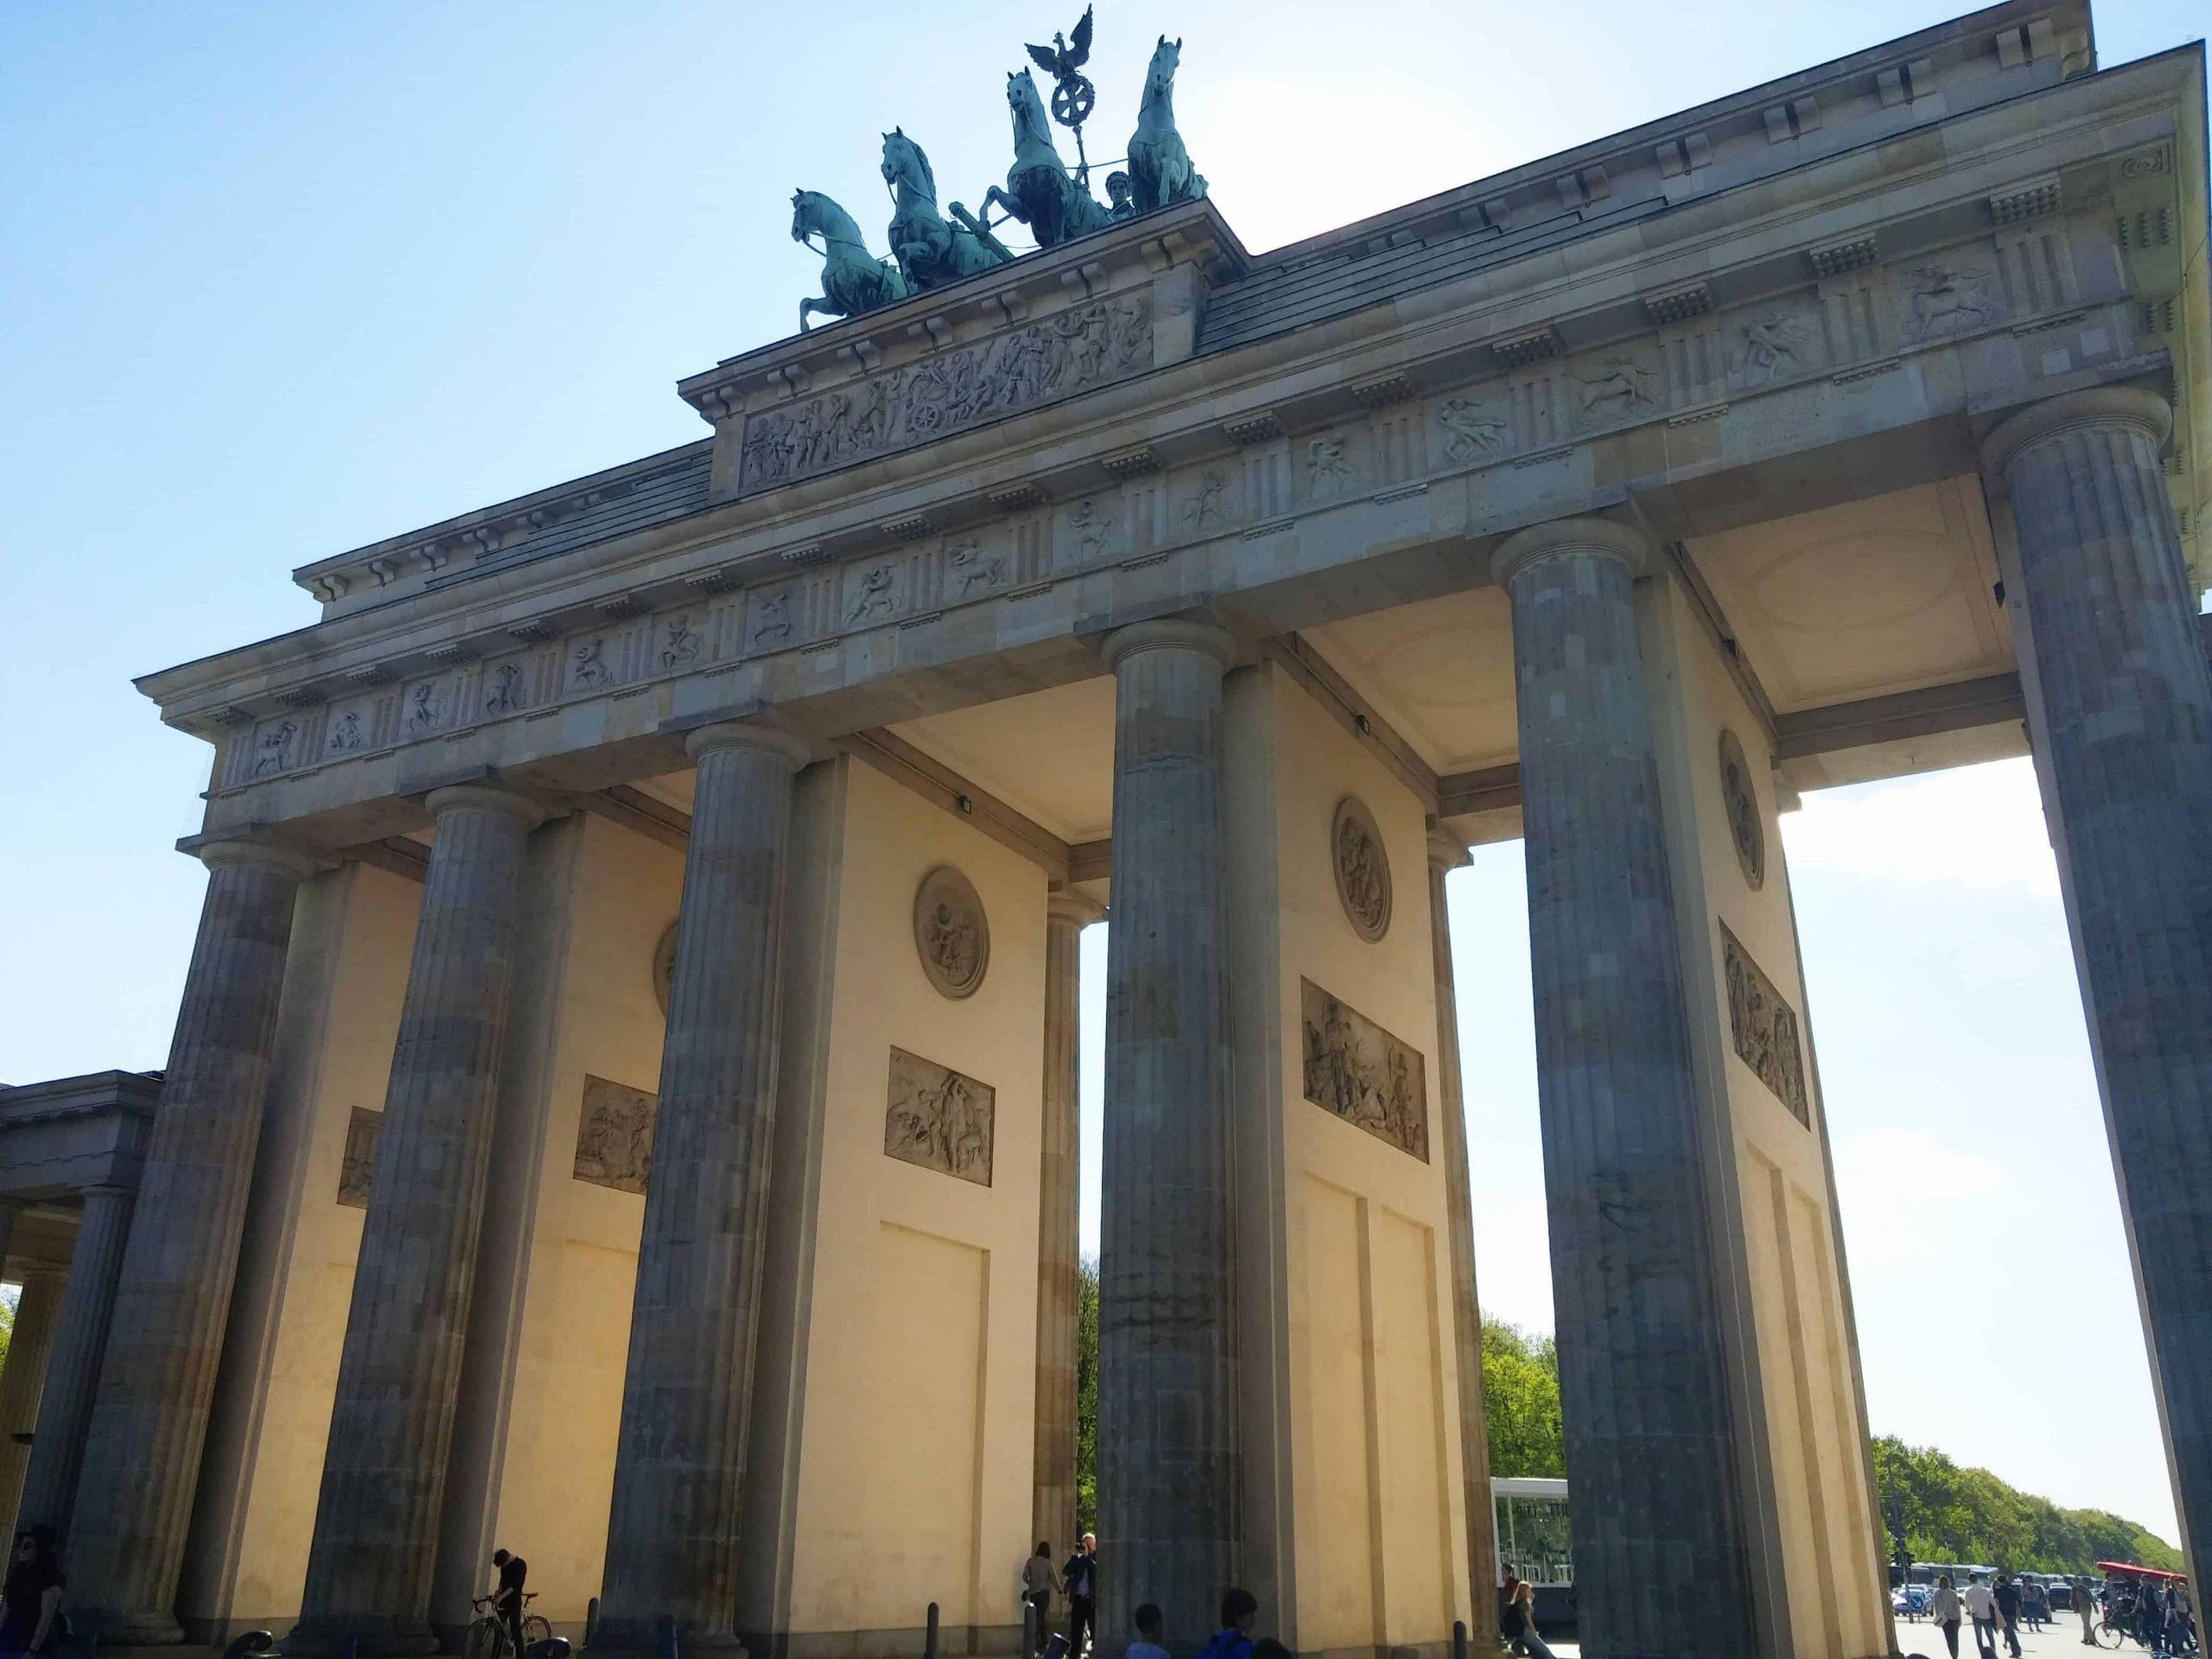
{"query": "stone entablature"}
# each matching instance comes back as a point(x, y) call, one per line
point(1873, 291)
point(59, 1137)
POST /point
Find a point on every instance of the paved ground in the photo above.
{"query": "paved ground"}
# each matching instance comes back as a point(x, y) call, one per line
point(2062, 1640)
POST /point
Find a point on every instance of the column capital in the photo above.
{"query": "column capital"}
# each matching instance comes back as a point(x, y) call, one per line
point(1593, 537)
point(1077, 910)
point(1446, 851)
point(237, 851)
point(486, 798)
point(790, 747)
point(1170, 633)
point(2092, 406)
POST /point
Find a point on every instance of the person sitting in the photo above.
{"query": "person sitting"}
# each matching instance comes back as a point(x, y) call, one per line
point(1521, 1622)
point(1240, 1611)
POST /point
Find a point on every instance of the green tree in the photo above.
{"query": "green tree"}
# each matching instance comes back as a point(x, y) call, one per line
point(1521, 1394)
point(1086, 1396)
point(1953, 1514)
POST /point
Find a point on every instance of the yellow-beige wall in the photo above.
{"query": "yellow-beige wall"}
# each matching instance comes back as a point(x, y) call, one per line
point(892, 1443)
point(1825, 1591)
point(1354, 1507)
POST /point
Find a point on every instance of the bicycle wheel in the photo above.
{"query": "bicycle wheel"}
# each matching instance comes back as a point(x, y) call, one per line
point(2109, 1634)
point(536, 1628)
point(487, 1639)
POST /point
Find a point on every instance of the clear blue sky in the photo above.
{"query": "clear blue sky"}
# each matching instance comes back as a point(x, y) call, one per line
point(280, 279)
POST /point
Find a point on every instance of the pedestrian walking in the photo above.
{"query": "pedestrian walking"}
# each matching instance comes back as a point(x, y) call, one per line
point(1520, 1624)
point(1943, 1609)
point(30, 1600)
point(2085, 1602)
point(1038, 1586)
point(1981, 1608)
point(1079, 1579)
point(2008, 1597)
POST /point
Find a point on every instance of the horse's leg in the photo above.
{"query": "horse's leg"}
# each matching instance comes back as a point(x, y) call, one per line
point(807, 308)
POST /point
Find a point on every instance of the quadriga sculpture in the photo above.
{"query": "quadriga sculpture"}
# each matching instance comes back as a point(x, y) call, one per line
point(931, 252)
point(853, 279)
point(1159, 167)
point(1041, 191)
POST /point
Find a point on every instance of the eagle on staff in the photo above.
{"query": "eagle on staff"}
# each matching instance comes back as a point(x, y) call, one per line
point(1072, 93)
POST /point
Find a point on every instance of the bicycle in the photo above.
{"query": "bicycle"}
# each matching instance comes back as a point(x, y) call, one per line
point(487, 1636)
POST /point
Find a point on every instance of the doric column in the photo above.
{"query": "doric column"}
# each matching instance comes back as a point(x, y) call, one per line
point(1059, 1246)
point(1446, 853)
point(383, 1475)
point(1643, 1376)
point(38, 1311)
point(149, 1413)
point(1168, 1468)
point(679, 1464)
point(2120, 705)
point(72, 1373)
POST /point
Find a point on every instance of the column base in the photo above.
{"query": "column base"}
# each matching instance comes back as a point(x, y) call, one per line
point(616, 1636)
point(131, 1630)
point(374, 1637)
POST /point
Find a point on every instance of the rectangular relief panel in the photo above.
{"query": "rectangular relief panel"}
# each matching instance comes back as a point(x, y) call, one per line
point(1362, 1073)
point(1763, 1028)
point(938, 1118)
point(615, 1135)
point(363, 1132)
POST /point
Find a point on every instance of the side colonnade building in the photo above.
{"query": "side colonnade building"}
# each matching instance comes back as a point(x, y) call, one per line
point(623, 1104)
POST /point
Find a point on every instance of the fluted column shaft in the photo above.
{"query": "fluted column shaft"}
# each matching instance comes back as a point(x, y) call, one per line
point(1169, 1457)
point(72, 1373)
point(165, 1335)
point(1444, 855)
point(38, 1312)
point(2123, 707)
point(1059, 1244)
point(1657, 1527)
point(672, 1541)
point(369, 1566)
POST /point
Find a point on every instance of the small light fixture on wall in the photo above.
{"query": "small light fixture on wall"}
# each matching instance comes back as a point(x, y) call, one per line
point(964, 802)
point(1366, 729)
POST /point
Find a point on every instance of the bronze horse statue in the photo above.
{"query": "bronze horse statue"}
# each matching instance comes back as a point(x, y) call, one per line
point(1040, 190)
point(930, 251)
point(1159, 167)
point(853, 279)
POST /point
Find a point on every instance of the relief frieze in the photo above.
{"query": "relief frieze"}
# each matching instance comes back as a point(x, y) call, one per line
point(1763, 1028)
point(364, 1130)
point(615, 1135)
point(938, 1118)
point(1082, 346)
point(1362, 1073)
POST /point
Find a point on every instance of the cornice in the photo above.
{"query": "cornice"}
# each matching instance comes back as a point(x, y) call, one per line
point(1042, 466)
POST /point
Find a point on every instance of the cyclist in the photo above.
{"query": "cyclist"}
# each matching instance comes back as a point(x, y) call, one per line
point(507, 1600)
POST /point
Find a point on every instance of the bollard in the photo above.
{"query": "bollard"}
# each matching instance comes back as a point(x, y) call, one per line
point(591, 1621)
point(665, 1637)
point(1458, 1639)
point(1028, 1629)
point(929, 1634)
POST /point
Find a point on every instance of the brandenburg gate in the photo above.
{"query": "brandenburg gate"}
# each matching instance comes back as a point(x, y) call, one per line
point(623, 1102)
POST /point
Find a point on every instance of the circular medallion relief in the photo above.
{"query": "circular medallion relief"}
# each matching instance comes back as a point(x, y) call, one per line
point(1746, 828)
point(664, 968)
point(951, 934)
point(1363, 868)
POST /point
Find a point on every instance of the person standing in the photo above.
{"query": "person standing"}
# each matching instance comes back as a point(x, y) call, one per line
point(1079, 1577)
point(1981, 1608)
point(1039, 1583)
point(2085, 1602)
point(31, 1602)
point(2008, 1597)
point(1943, 1609)
point(1505, 1590)
point(506, 1600)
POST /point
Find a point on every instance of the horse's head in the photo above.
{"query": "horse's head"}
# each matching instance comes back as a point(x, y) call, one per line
point(1026, 104)
point(816, 214)
point(904, 163)
point(1166, 58)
